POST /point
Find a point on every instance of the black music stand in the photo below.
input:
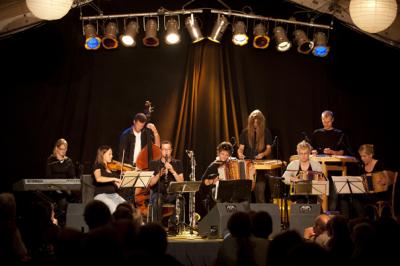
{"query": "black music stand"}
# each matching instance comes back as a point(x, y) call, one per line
point(349, 185)
point(234, 191)
point(136, 179)
point(180, 188)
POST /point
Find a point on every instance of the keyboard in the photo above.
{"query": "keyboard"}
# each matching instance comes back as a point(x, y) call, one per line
point(47, 184)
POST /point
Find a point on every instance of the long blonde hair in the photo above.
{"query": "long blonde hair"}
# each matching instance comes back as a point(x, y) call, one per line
point(260, 131)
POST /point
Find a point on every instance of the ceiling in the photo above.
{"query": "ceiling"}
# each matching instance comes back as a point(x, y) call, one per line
point(15, 17)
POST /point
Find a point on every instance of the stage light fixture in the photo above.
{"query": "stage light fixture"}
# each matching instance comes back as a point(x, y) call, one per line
point(109, 40)
point(172, 32)
point(151, 28)
point(239, 34)
point(219, 28)
point(282, 42)
point(304, 45)
point(131, 30)
point(193, 28)
point(92, 41)
point(261, 39)
point(321, 48)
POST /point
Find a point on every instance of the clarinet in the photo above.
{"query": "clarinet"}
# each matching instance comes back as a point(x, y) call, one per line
point(192, 200)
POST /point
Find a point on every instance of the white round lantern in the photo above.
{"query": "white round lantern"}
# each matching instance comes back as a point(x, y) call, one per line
point(49, 9)
point(373, 15)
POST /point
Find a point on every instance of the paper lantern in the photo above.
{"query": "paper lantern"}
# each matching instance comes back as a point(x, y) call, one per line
point(49, 9)
point(373, 15)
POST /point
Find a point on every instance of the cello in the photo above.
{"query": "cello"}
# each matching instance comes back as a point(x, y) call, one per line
point(148, 153)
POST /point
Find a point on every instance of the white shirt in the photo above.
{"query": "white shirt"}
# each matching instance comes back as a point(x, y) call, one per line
point(138, 144)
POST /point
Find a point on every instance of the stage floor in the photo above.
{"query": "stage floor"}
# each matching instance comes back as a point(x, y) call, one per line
point(193, 250)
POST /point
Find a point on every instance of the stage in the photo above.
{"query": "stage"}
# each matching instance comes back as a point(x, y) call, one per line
point(193, 251)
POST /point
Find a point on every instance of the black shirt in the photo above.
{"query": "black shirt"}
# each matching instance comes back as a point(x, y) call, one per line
point(127, 143)
point(164, 180)
point(334, 139)
point(251, 153)
point(108, 187)
point(56, 169)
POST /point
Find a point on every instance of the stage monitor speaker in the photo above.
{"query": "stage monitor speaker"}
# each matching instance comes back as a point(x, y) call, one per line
point(303, 216)
point(273, 210)
point(75, 217)
point(214, 224)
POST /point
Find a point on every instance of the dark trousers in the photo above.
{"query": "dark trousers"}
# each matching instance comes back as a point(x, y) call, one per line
point(262, 189)
point(157, 200)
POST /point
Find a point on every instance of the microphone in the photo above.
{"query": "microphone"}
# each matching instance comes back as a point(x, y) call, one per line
point(306, 138)
point(275, 141)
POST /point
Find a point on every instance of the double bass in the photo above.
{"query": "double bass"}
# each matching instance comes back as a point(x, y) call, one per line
point(148, 153)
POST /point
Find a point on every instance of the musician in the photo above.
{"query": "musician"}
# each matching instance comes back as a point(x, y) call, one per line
point(106, 181)
point(134, 138)
point(371, 166)
point(166, 169)
point(215, 171)
point(256, 143)
point(303, 164)
point(329, 140)
point(59, 166)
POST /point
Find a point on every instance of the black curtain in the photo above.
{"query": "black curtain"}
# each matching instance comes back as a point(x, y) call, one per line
point(202, 94)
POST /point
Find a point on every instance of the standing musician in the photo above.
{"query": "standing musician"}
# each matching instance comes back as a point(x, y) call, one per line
point(215, 171)
point(134, 138)
point(106, 181)
point(166, 170)
point(256, 143)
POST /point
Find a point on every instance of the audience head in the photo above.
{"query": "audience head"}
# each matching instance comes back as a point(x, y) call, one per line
point(96, 214)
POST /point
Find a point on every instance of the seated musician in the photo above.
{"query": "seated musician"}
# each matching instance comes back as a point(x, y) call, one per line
point(296, 168)
point(375, 175)
point(165, 170)
point(106, 181)
point(59, 166)
point(215, 171)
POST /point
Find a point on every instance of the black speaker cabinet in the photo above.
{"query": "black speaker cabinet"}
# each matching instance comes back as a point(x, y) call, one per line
point(303, 216)
point(87, 188)
point(214, 224)
point(75, 217)
point(273, 210)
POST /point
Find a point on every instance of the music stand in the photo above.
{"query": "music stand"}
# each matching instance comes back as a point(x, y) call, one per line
point(349, 185)
point(180, 188)
point(136, 179)
point(234, 191)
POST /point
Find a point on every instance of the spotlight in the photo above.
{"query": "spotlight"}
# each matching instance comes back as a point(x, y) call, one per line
point(150, 39)
point(172, 33)
point(321, 49)
point(282, 42)
point(193, 28)
point(261, 39)
point(131, 30)
point(219, 29)
point(239, 34)
point(92, 41)
point(110, 40)
point(304, 45)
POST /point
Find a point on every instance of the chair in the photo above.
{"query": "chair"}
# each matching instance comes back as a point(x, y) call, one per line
point(390, 203)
